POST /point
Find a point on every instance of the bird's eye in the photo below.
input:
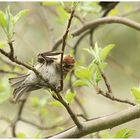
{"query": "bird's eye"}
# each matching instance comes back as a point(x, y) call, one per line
point(68, 66)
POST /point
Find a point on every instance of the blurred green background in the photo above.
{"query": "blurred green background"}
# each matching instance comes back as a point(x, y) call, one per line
point(38, 31)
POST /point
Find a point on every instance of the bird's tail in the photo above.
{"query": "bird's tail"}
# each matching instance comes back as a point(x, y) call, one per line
point(19, 88)
point(17, 81)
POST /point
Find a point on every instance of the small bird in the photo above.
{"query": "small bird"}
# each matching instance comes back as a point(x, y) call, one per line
point(49, 65)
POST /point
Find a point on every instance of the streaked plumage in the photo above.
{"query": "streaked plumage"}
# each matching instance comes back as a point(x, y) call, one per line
point(49, 66)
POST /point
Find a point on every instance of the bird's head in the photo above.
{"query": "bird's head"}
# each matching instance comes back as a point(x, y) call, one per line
point(68, 63)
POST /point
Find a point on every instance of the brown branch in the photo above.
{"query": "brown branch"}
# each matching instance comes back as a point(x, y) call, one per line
point(107, 7)
point(64, 43)
point(9, 72)
point(107, 95)
point(11, 53)
point(103, 123)
point(79, 40)
point(76, 98)
point(69, 110)
point(8, 63)
point(15, 60)
point(106, 82)
point(19, 113)
point(91, 38)
point(96, 23)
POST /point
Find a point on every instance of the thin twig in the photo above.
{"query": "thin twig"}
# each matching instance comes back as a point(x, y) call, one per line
point(96, 23)
point(11, 53)
point(103, 123)
point(106, 82)
point(76, 98)
point(9, 72)
point(19, 113)
point(91, 38)
point(64, 44)
point(69, 110)
point(38, 74)
point(114, 98)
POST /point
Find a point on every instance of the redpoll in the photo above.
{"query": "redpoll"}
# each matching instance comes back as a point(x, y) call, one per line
point(49, 66)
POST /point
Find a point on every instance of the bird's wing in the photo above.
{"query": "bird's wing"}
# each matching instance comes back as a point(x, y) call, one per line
point(47, 56)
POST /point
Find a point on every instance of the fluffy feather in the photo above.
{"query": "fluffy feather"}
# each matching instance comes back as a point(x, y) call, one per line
point(50, 70)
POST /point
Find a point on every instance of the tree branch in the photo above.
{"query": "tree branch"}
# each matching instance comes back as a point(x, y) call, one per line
point(69, 110)
point(64, 43)
point(102, 123)
point(19, 113)
point(9, 72)
point(107, 95)
point(96, 23)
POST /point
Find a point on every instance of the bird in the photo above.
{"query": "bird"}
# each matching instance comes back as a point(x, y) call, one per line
point(49, 66)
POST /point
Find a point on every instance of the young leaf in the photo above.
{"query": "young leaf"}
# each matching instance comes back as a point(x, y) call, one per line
point(70, 97)
point(105, 51)
point(20, 14)
point(83, 73)
point(56, 103)
point(136, 93)
point(90, 51)
point(92, 66)
point(2, 20)
point(124, 133)
point(79, 83)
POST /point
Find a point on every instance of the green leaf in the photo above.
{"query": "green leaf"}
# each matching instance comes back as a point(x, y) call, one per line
point(136, 94)
point(56, 103)
point(20, 14)
point(2, 44)
point(105, 51)
point(90, 51)
point(84, 73)
point(70, 97)
point(21, 135)
point(92, 66)
point(124, 133)
point(79, 83)
point(2, 20)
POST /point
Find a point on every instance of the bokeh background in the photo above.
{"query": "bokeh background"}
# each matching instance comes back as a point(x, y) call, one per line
point(37, 32)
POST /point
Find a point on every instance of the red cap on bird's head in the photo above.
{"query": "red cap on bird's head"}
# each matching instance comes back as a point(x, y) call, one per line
point(68, 60)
